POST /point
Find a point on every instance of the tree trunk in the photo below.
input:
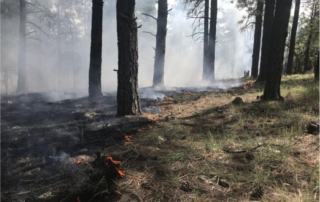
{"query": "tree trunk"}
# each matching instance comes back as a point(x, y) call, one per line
point(266, 39)
point(96, 50)
point(293, 37)
point(158, 76)
point(127, 95)
point(307, 51)
point(59, 43)
point(278, 40)
point(209, 75)
point(6, 82)
point(257, 40)
point(22, 71)
point(316, 70)
point(205, 40)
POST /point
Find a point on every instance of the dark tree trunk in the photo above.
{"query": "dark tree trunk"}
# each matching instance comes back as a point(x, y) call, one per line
point(266, 39)
point(22, 71)
point(96, 50)
point(127, 97)
point(209, 74)
point(158, 76)
point(316, 70)
point(307, 65)
point(257, 40)
point(59, 44)
point(278, 40)
point(205, 40)
point(293, 37)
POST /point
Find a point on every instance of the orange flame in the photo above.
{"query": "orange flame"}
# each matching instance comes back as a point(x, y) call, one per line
point(245, 87)
point(9, 102)
point(125, 144)
point(78, 199)
point(122, 173)
point(128, 137)
point(80, 162)
point(117, 192)
point(169, 98)
point(113, 161)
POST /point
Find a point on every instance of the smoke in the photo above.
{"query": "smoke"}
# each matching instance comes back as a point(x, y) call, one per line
point(183, 61)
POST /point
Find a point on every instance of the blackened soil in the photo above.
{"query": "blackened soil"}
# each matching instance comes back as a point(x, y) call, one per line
point(41, 141)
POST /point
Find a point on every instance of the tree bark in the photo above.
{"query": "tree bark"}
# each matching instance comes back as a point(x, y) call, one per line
point(59, 43)
point(22, 69)
point(266, 39)
point(316, 71)
point(158, 76)
point(278, 40)
point(205, 40)
point(307, 51)
point(293, 37)
point(257, 40)
point(96, 50)
point(127, 95)
point(209, 74)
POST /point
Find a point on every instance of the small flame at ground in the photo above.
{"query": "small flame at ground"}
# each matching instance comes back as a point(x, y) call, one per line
point(121, 172)
point(117, 192)
point(9, 102)
point(128, 137)
point(169, 98)
point(78, 199)
point(113, 161)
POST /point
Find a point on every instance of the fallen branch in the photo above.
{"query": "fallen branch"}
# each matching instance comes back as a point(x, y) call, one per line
point(242, 151)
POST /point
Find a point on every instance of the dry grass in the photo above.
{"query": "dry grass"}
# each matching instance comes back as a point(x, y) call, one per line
point(187, 148)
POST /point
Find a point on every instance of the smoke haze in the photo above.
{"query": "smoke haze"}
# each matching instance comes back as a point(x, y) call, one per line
point(183, 62)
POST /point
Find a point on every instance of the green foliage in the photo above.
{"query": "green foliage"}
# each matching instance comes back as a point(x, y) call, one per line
point(308, 24)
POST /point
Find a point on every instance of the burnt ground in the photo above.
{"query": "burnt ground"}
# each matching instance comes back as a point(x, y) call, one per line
point(51, 150)
point(48, 149)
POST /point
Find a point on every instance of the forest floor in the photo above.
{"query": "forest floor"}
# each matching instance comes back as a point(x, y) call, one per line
point(190, 146)
point(207, 149)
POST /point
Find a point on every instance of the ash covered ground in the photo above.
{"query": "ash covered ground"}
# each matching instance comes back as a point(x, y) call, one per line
point(52, 143)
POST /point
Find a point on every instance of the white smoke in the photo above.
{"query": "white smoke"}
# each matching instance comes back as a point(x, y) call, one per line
point(183, 62)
